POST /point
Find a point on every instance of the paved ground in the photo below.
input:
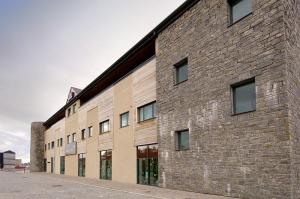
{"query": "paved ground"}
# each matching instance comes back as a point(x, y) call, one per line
point(45, 186)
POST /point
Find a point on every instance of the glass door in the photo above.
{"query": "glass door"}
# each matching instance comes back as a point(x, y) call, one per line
point(62, 165)
point(106, 165)
point(147, 163)
point(81, 165)
point(52, 165)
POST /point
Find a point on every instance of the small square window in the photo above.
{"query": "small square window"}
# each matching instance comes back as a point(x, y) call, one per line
point(181, 71)
point(124, 120)
point(83, 134)
point(244, 97)
point(104, 127)
point(182, 140)
point(239, 9)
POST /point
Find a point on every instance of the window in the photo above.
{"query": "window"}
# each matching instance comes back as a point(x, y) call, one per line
point(48, 146)
point(182, 140)
point(83, 134)
point(69, 112)
point(244, 97)
point(74, 137)
point(124, 120)
point(90, 131)
point(147, 112)
point(81, 164)
point(239, 9)
point(181, 71)
point(61, 142)
point(52, 145)
point(106, 165)
point(45, 147)
point(104, 127)
point(74, 108)
point(58, 143)
point(69, 139)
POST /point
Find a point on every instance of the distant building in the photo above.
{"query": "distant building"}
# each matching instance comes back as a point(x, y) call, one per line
point(18, 163)
point(9, 160)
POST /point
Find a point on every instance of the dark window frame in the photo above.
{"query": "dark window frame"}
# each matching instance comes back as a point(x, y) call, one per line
point(154, 112)
point(68, 139)
point(83, 134)
point(232, 3)
point(69, 112)
point(183, 63)
point(90, 131)
point(52, 144)
point(178, 140)
point(61, 142)
point(233, 93)
point(73, 137)
point(121, 116)
point(74, 108)
point(102, 123)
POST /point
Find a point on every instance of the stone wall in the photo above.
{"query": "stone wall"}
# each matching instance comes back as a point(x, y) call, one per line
point(246, 155)
point(292, 28)
point(37, 147)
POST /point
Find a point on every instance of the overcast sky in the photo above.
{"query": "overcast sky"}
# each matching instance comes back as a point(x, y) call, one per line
point(47, 46)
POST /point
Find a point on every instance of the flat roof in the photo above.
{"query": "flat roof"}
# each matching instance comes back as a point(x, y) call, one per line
point(139, 53)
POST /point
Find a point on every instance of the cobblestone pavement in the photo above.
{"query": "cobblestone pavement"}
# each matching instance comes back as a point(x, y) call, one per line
point(46, 186)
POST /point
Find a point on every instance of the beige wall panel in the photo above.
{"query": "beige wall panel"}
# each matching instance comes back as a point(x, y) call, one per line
point(105, 141)
point(92, 155)
point(144, 92)
point(124, 152)
point(71, 165)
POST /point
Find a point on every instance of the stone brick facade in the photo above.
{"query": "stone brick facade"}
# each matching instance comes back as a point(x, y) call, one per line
point(251, 155)
point(37, 147)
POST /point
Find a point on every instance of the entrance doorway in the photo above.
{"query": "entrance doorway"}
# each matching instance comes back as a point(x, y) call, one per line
point(106, 165)
point(81, 164)
point(147, 163)
point(62, 165)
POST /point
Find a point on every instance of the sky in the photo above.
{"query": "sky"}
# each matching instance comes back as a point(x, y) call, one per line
point(48, 46)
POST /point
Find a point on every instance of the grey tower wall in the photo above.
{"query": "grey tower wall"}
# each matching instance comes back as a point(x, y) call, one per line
point(37, 147)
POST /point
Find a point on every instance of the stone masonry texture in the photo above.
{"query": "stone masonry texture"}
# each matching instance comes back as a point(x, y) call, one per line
point(253, 155)
point(37, 147)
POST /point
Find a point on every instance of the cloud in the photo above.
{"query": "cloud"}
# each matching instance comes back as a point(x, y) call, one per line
point(48, 46)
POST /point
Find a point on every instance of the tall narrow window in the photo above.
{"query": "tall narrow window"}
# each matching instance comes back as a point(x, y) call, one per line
point(83, 134)
point(104, 127)
point(244, 97)
point(124, 120)
point(58, 143)
point(181, 71)
point(74, 137)
point(69, 139)
point(81, 164)
point(90, 131)
point(48, 146)
point(74, 108)
point(61, 142)
point(239, 9)
point(52, 145)
point(147, 112)
point(182, 140)
point(69, 112)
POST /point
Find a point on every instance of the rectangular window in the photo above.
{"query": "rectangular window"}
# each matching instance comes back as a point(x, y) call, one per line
point(52, 145)
point(69, 139)
point(45, 147)
point(244, 97)
point(124, 120)
point(90, 131)
point(48, 146)
point(239, 9)
point(182, 140)
point(181, 71)
point(83, 134)
point(62, 165)
point(61, 142)
point(74, 108)
point(147, 112)
point(106, 165)
point(69, 112)
point(58, 143)
point(74, 137)
point(81, 164)
point(104, 127)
